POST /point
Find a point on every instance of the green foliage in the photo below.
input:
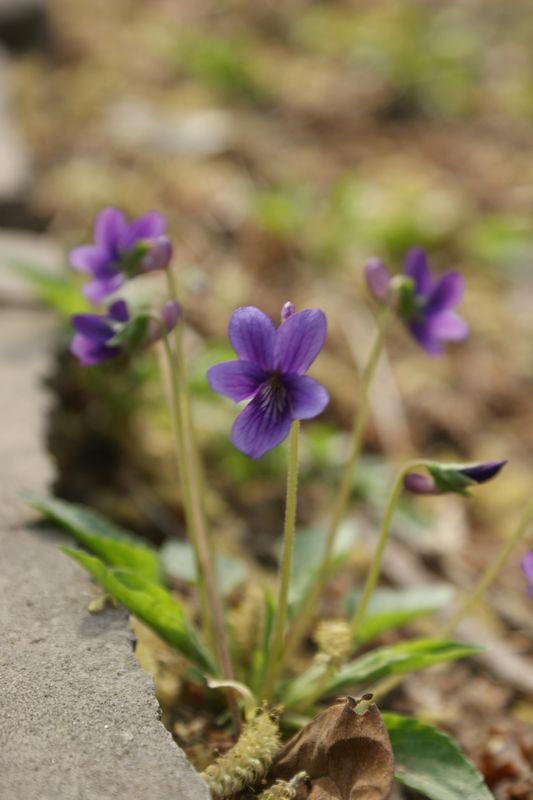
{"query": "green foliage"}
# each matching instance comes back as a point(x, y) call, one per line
point(389, 609)
point(115, 545)
point(380, 663)
point(152, 604)
point(224, 65)
point(178, 560)
point(308, 548)
point(429, 762)
point(59, 292)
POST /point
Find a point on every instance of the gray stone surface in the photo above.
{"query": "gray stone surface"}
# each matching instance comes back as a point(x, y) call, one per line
point(78, 716)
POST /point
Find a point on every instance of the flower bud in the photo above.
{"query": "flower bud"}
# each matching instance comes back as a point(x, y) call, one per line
point(158, 254)
point(287, 310)
point(420, 484)
point(456, 478)
point(378, 279)
point(527, 566)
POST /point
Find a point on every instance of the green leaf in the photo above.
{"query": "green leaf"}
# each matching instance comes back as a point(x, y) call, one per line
point(398, 659)
point(430, 762)
point(112, 543)
point(58, 292)
point(178, 561)
point(391, 608)
point(394, 659)
point(308, 549)
point(152, 604)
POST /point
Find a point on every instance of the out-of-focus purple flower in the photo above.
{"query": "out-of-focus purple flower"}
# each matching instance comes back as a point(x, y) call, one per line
point(428, 309)
point(270, 371)
point(101, 337)
point(121, 250)
point(378, 279)
point(456, 478)
point(527, 566)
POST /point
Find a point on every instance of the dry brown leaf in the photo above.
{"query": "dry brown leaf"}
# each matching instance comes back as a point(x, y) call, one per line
point(347, 754)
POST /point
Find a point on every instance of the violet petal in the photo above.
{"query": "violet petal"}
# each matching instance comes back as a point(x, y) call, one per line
point(92, 327)
point(90, 353)
point(237, 380)
point(527, 566)
point(447, 326)
point(483, 472)
point(425, 337)
point(109, 228)
point(118, 311)
point(307, 397)
point(446, 293)
point(147, 226)
point(96, 291)
point(89, 258)
point(252, 335)
point(417, 267)
point(264, 423)
point(299, 340)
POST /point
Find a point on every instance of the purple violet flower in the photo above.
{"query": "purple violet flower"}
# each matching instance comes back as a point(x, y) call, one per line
point(428, 312)
point(527, 566)
point(270, 372)
point(101, 337)
point(121, 250)
point(456, 478)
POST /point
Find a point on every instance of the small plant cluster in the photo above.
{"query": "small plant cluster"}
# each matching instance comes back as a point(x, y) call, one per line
point(270, 375)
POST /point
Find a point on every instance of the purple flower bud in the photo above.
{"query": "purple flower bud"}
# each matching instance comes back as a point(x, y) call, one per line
point(378, 279)
point(158, 254)
point(457, 478)
point(527, 566)
point(420, 484)
point(287, 310)
point(168, 319)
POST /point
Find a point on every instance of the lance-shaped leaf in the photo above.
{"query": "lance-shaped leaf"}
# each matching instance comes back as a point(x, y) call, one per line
point(345, 751)
point(115, 545)
point(379, 663)
point(389, 609)
point(430, 762)
point(152, 604)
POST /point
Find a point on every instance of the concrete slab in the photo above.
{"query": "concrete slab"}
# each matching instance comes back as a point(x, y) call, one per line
point(78, 716)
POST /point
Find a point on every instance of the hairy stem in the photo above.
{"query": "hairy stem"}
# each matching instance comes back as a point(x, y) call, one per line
point(375, 566)
point(308, 610)
point(192, 483)
point(278, 631)
point(473, 597)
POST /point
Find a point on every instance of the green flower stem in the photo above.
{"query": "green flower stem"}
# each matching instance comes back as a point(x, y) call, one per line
point(489, 575)
point(278, 631)
point(190, 476)
point(179, 447)
point(307, 612)
point(473, 597)
point(375, 567)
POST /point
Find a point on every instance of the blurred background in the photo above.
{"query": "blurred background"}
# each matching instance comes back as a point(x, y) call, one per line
point(287, 143)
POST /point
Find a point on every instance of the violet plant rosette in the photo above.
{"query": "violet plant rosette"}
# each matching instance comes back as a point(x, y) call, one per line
point(425, 304)
point(101, 337)
point(527, 566)
point(270, 372)
point(121, 250)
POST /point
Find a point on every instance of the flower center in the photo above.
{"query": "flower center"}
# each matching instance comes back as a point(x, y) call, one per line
point(273, 396)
